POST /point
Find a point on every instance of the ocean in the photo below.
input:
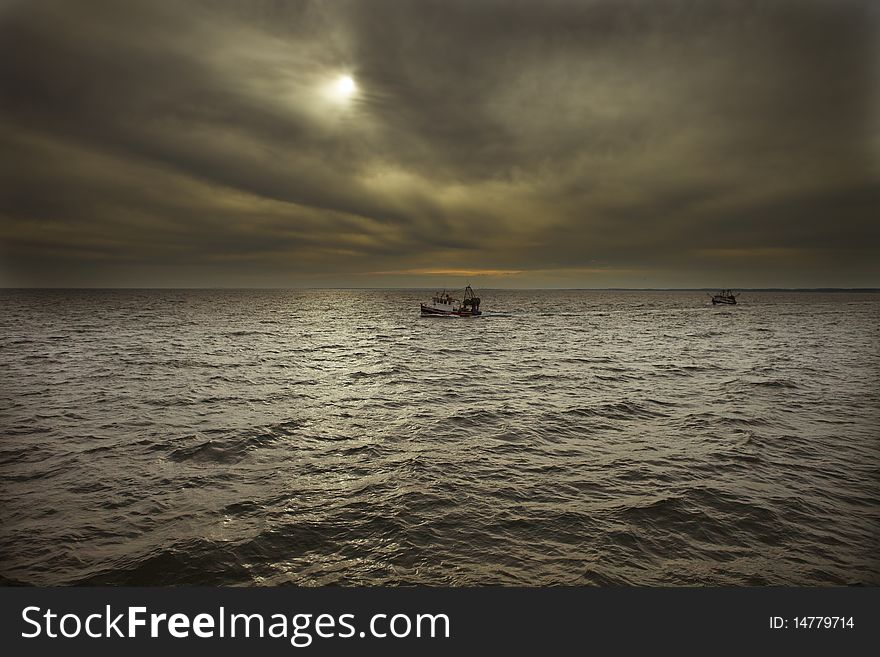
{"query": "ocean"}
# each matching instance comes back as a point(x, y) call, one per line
point(334, 437)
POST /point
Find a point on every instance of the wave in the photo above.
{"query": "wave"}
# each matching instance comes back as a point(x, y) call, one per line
point(233, 447)
point(620, 411)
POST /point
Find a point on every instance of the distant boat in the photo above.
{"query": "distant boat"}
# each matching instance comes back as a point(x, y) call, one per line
point(445, 305)
point(724, 297)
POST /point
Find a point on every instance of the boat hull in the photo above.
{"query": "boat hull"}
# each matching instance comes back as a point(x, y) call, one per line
point(428, 311)
point(724, 302)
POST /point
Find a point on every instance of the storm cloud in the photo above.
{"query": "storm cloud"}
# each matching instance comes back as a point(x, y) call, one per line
point(575, 144)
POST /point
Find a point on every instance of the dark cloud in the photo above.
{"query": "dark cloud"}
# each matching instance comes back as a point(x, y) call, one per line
point(577, 143)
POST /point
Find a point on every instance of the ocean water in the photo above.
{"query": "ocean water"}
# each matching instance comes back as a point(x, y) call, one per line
point(318, 437)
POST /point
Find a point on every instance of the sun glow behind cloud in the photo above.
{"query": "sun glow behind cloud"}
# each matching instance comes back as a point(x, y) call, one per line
point(345, 86)
point(341, 90)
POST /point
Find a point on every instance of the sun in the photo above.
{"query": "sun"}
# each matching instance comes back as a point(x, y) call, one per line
point(345, 87)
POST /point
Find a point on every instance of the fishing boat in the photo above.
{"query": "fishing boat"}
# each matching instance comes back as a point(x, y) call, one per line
point(724, 297)
point(444, 304)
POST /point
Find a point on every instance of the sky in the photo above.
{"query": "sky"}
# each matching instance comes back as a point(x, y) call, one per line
point(379, 143)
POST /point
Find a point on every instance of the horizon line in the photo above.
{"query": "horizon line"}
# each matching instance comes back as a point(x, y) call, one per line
point(359, 287)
